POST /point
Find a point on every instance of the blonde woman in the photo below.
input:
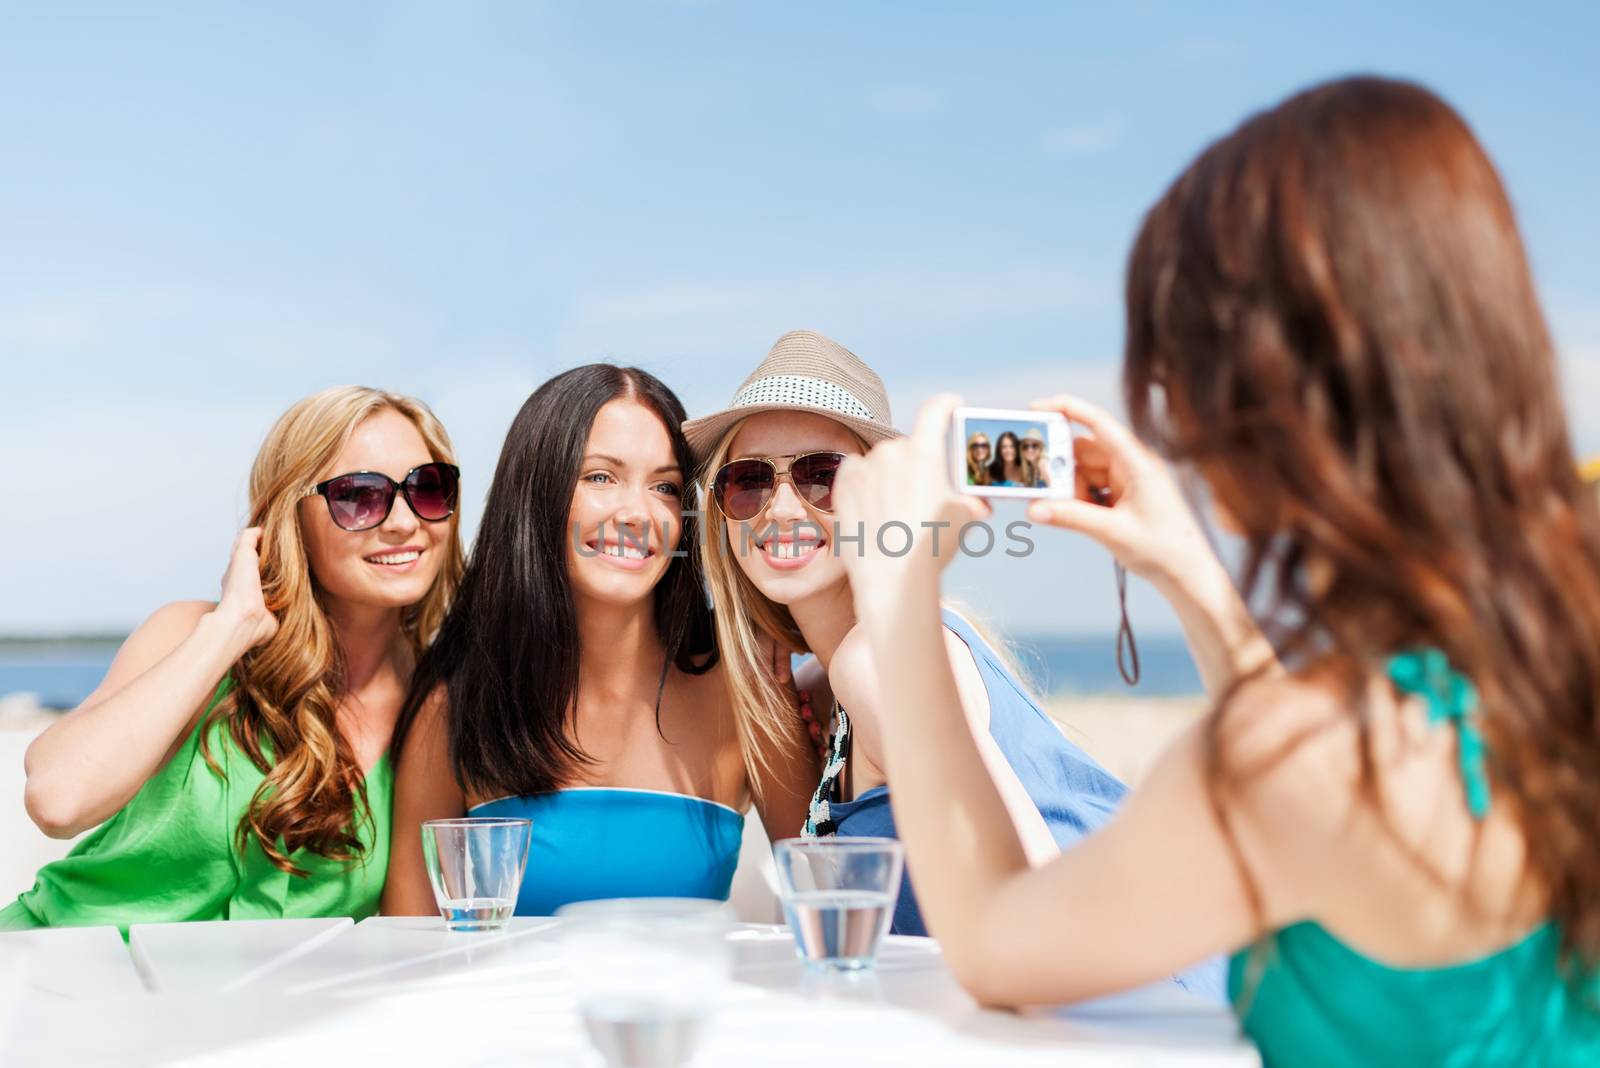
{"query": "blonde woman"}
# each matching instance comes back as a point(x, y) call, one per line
point(1034, 459)
point(774, 561)
point(235, 755)
point(978, 459)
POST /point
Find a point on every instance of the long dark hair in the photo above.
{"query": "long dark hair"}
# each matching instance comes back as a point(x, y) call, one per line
point(1331, 314)
point(997, 466)
point(507, 653)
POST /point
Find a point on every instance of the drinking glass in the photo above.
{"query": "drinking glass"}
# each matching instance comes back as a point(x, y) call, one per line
point(647, 974)
point(838, 895)
point(475, 866)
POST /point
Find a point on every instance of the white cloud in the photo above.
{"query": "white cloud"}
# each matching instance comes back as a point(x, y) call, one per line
point(1083, 139)
point(905, 100)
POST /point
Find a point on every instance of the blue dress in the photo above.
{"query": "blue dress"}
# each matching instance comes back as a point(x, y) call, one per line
point(600, 842)
point(1074, 794)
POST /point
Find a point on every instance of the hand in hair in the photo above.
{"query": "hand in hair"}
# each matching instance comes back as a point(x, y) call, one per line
point(242, 605)
point(90, 762)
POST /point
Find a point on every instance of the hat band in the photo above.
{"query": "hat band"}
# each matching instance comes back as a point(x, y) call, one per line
point(802, 391)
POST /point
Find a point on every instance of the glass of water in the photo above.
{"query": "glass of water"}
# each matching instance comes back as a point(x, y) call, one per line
point(647, 974)
point(838, 895)
point(476, 866)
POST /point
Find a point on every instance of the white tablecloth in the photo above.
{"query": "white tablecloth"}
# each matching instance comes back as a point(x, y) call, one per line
point(398, 991)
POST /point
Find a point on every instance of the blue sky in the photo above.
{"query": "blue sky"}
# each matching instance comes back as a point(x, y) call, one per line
point(211, 210)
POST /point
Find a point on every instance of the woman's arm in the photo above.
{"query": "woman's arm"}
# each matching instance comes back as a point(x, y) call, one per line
point(425, 788)
point(1148, 526)
point(855, 667)
point(1154, 891)
point(92, 761)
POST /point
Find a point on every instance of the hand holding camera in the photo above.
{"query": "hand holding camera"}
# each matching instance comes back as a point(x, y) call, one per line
point(1124, 497)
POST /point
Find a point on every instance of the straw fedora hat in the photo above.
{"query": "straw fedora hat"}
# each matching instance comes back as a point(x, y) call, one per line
point(803, 372)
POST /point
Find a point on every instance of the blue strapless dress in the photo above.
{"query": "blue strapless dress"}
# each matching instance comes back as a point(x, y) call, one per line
point(597, 842)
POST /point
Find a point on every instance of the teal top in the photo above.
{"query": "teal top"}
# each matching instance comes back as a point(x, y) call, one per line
point(171, 854)
point(599, 842)
point(1307, 999)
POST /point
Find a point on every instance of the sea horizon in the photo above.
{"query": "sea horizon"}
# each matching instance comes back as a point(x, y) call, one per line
point(60, 670)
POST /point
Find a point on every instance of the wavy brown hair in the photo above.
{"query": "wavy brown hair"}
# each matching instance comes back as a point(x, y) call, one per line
point(1331, 314)
point(282, 707)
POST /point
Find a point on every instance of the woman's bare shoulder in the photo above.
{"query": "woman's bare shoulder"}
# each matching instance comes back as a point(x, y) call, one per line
point(1289, 749)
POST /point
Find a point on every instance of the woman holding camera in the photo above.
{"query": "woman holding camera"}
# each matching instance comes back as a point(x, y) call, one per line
point(1331, 316)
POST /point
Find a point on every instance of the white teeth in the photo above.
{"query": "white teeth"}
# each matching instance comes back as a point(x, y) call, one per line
point(626, 552)
point(791, 550)
point(395, 558)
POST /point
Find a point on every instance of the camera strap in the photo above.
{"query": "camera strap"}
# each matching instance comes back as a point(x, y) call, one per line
point(1127, 648)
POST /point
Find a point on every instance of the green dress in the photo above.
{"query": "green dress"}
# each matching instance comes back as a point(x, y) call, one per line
point(1307, 999)
point(171, 854)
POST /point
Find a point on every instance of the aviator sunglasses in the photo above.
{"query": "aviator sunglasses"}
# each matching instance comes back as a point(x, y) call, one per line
point(743, 488)
point(363, 499)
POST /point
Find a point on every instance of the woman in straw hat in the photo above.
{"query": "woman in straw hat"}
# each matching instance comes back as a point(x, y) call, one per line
point(1396, 840)
point(773, 561)
point(1034, 459)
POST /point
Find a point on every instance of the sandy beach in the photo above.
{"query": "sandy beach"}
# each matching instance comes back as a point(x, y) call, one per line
point(1125, 733)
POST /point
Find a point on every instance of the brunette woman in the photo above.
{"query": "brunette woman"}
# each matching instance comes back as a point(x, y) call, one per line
point(576, 680)
point(1008, 468)
point(235, 757)
point(1331, 316)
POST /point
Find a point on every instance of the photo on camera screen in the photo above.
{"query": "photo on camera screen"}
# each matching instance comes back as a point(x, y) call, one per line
point(1013, 453)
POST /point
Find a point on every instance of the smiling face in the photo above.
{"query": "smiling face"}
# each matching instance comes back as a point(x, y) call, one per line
point(785, 549)
point(1008, 448)
point(394, 564)
point(627, 507)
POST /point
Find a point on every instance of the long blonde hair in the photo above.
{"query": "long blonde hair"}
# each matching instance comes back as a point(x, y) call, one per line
point(743, 614)
point(282, 707)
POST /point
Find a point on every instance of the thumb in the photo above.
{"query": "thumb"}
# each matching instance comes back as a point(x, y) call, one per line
point(1095, 520)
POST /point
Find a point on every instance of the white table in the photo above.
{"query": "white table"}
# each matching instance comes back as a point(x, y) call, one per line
point(399, 991)
point(70, 962)
point(222, 956)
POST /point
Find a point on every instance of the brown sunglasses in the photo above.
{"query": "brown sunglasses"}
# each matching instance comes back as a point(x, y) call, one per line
point(742, 488)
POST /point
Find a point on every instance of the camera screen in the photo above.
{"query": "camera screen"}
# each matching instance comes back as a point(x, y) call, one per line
point(1007, 452)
